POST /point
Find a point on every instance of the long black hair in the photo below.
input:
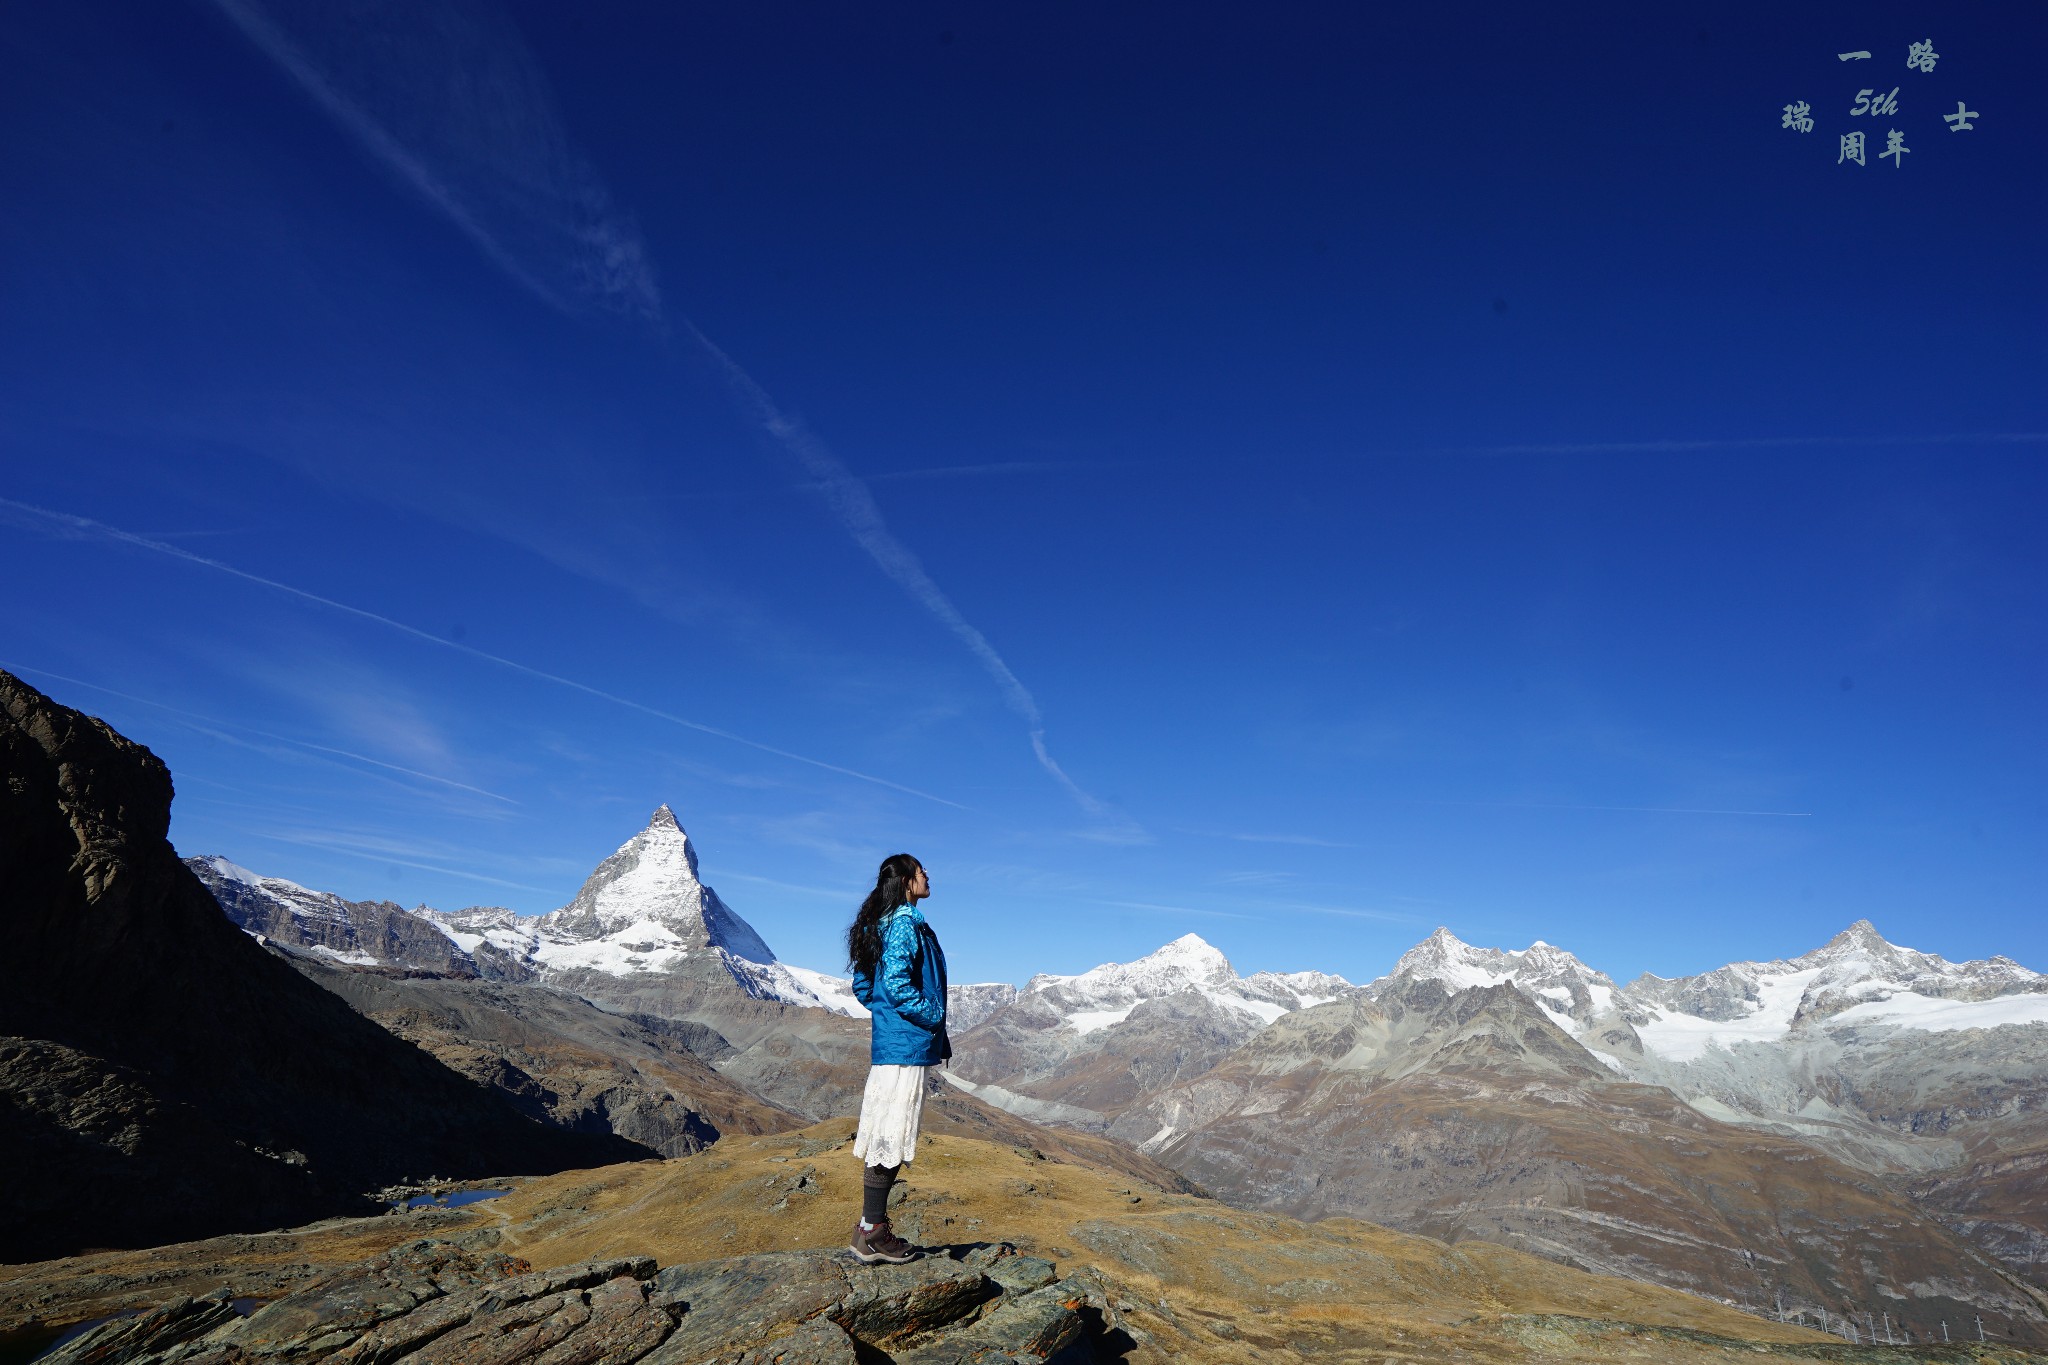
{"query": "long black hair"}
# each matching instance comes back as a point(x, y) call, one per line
point(892, 888)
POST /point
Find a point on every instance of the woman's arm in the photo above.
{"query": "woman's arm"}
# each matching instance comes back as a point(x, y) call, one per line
point(899, 947)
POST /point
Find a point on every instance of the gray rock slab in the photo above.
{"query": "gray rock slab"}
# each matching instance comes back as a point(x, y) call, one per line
point(517, 1332)
point(730, 1305)
point(147, 1334)
point(961, 1351)
point(337, 1309)
point(398, 1337)
point(887, 1303)
point(819, 1341)
point(1022, 1274)
point(624, 1325)
point(1036, 1324)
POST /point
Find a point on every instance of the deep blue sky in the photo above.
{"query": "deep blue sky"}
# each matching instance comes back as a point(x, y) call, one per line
point(1452, 467)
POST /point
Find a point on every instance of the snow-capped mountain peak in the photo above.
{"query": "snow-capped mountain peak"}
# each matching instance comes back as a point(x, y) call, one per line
point(1187, 962)
point(1106, 995)
point(1577, 998)
point(648, 892)
point(1445, 957)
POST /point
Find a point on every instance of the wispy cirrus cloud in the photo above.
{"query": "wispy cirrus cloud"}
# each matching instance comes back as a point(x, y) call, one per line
point(372, 846)
point(1340, 911)
point(65, 522)
point(1154, 907)
point(994, 468)
point(1570, 805)
point(1675, 446)
point(841, 894)
point(452, 103)
point(237, 732)
point(1243, 837)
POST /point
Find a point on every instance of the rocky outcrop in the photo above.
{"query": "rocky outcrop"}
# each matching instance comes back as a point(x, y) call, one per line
point(162, 1075)
point(432, 1303)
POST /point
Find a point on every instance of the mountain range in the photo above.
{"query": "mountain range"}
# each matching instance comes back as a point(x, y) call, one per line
point(1860, 1124)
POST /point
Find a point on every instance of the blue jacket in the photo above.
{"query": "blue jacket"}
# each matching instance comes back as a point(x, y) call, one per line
point(906, 993)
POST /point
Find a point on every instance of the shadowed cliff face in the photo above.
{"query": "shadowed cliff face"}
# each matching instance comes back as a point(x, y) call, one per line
point(161, 1074)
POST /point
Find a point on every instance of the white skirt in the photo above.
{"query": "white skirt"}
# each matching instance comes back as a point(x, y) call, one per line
point(890, 1108)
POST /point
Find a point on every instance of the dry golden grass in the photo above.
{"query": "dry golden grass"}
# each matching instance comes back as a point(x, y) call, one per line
point(1201, 1281)
point(1205, 1281)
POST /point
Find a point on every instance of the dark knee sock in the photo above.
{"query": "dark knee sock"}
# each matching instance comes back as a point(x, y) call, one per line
point(874, 1192)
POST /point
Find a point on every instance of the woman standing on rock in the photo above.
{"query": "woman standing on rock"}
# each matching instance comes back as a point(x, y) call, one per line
point(899, 973)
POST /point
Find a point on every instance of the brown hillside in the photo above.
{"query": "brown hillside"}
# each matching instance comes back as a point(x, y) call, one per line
point(1199, 1280)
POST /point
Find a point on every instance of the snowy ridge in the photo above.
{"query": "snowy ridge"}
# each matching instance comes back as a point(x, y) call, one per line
point(1856, 978)
point(1768, 1043)
point(302, 903)
point(1104, 996)
point(1581, 1001)
point(1186, 962)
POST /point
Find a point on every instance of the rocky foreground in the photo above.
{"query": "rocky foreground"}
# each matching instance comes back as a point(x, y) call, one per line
point(432, 1303)
point(735, 1254)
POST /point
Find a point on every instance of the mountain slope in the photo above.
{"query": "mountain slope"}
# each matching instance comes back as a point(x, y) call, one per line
point(1475, 1115)
point(164, 1076)
point(562, 1060)
point(1186, 1279)
point(1079, 1049)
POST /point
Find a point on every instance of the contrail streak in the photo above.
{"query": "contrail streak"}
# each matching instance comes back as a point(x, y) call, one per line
point(100, 530)
point(492, 99)
point(507, 176)
point(851, 501)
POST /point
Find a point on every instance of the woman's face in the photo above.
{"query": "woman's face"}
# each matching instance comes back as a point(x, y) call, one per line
point(920, 886)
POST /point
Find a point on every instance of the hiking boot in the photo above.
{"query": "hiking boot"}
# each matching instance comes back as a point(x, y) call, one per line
point(878, 1243)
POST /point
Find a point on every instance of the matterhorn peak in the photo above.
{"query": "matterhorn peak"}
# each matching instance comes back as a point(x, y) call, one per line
point(650, 891)
point(663, 825)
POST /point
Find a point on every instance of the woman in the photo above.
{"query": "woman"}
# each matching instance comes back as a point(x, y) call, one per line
point(899, 973)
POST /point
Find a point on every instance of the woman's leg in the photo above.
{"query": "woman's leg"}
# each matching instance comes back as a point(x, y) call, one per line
point(875, 1183)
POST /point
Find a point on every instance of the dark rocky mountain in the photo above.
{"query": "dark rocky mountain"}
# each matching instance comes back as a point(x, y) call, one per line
point(161, 1075)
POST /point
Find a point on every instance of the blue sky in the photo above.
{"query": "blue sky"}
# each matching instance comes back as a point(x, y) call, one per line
point(1298, 478)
